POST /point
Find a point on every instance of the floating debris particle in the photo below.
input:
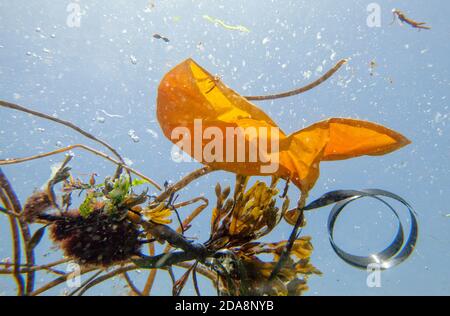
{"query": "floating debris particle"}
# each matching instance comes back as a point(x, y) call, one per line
point(239, 28)
point(133, 59)
point(150, 6)
point(333, 55)
point(111, 115)
point(133, 136)
point(372, 66)
point(152, 133)
point(100, 119)
point(200, 46)
point(404, 19)
point(165, 39)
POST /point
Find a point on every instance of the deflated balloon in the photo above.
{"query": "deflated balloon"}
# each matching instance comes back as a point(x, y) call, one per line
point(204, 118)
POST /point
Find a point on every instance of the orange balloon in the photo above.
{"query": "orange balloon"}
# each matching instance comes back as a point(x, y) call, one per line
point(196, 105)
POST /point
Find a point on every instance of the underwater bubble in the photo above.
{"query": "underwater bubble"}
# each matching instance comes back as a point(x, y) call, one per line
point(176, 156)
point(333, 55)
point(133, 136)
point(128, 161)
point(100, 119)
point(307, 74)
point(152, 133)
point(200, 46)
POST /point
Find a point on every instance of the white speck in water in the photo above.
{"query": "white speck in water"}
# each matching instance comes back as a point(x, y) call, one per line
point(133, 59)
point(133, 136)
point(100, 119)
point(307, 74)
point(265, 40)
point(152, 132)
point(111, 115)
point(333, 55)
point(128, 161)
point(176, 156)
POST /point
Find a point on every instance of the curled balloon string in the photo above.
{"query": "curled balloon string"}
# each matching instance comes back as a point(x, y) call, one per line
point(395, 253)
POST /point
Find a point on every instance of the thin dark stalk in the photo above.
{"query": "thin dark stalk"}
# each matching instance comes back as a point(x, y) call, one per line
point(8, 212)
point(89, 149)
point(92, 277)
point(24, 228)
point(63, 122)
point(105, 277)
point(194, 279)
point(172, 276)
point(292, 238)
point(58, 281)
point(8, 203)
point(308, 87)
point(131, 285)
point(16, 256)
point(184, 182)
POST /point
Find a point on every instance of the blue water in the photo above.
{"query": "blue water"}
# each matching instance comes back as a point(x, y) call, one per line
point(111, 62)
